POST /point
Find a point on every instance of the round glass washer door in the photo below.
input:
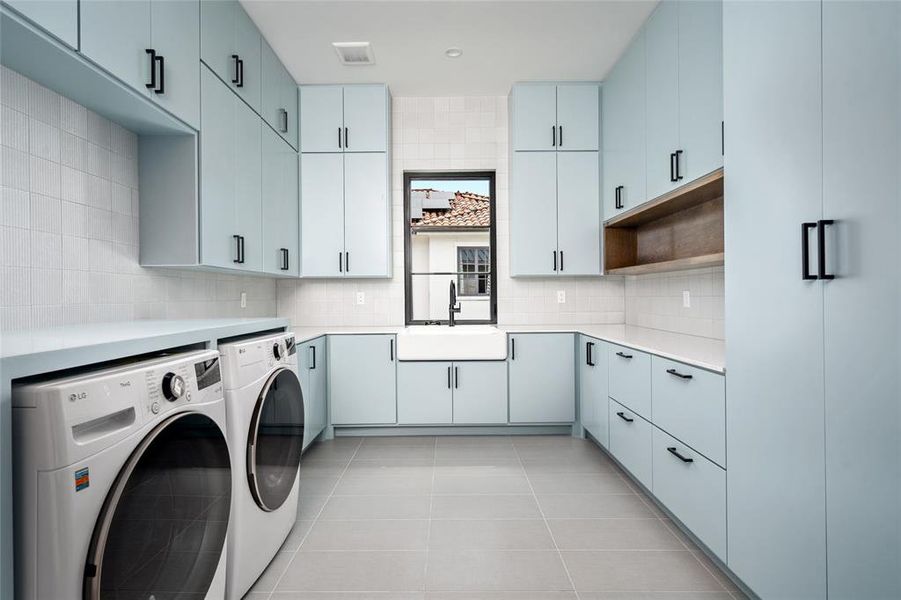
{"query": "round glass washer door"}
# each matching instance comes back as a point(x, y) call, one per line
point(275, 440)
point(162, 527)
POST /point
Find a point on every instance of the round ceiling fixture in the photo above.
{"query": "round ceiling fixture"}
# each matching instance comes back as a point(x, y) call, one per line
point(453, 53)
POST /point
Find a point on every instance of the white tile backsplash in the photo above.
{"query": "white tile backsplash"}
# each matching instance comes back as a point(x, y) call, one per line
point(69, 224)
point(656, 301)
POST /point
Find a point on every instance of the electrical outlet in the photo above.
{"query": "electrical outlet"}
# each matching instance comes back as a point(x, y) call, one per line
point(243, 299)
point(361, 298)
point(561, 296)
point(686, 299)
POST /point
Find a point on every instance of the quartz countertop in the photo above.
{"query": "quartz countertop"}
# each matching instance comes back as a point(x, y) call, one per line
point(705, 353)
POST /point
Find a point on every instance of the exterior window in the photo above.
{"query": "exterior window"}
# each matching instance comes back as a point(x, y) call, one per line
point(475, 260)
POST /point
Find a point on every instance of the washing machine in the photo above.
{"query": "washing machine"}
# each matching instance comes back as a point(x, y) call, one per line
point(265, 415)
point(122, 482)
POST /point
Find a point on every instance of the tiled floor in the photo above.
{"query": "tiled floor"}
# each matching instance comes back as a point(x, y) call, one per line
point(480, 518)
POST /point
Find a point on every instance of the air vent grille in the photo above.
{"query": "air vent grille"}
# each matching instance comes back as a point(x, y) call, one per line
point(354, 53)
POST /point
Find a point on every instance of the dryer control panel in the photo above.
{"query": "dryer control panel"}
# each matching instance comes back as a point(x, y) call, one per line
point(246, 361)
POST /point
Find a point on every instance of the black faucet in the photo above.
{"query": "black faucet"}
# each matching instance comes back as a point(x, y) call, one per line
point(452, 308)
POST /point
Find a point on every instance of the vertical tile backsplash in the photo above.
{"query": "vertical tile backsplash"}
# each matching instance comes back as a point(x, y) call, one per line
point(656, 301)
point(69, 203)
point(442, 134)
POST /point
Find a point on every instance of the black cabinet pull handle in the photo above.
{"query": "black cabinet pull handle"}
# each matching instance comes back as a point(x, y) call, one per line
point(340, 262)
point(622, 416)
point(675, 453)
point(152, 54)
point(561, 136)
point(284, 126)
point(618, 195)
point(391, 349)
point(237, 239)
point(678, 374)
point(821, 249)
point(672, 166)
point(456, 377)
point(561, 261)
point(284, 252)
point(313, 349)
point(242, 249)
point(448, 378)
point(339, 138)
point(512, 348)
point(805, 251)
point(678, 166)
point(346, 139)
point(553, 136)
point(237, 60)
point(347, 262)
point(240, 72)
point(622, 355)
point(555, 261)
point(162, 87)
point(589, 359)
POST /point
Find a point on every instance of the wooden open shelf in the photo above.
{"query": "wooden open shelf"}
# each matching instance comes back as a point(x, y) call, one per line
point(679, 230)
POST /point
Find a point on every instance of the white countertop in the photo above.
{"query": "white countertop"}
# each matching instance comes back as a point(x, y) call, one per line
point(706, 353)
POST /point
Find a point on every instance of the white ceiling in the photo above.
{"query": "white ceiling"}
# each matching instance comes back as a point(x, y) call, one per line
point(502, 41)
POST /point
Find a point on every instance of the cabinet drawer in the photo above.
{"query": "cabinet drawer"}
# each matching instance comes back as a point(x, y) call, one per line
point(630, 378)
point(690, 404)
point(630, 441)
point(692, 488)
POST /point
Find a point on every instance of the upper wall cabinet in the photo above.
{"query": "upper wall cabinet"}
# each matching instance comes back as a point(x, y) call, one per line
point(279, 96)
point(344, 118)
point(231, 46)
point(57, 17)
point(150, 45)
point(548, 116)
point(280, 206)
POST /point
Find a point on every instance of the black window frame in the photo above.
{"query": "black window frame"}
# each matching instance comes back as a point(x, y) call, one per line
point(489, 176)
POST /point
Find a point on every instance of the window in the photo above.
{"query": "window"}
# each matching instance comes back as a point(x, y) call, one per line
point(449, 241)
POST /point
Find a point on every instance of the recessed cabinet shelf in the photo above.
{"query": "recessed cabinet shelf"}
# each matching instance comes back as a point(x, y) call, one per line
point(680, 230)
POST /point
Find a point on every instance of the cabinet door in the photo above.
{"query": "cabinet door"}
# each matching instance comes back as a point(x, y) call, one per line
point(311, 367)
point(322, 215)
point(280, 205)
point(593, 388)
point(774, 400)
point(533, 214)
point(579, 213)
point(217, 37)
point(542, 378)
point(424, 395)
point(362, 379)
point(700, 87)
point(279, 96)
point(217, 173)
point(57, 17)
point(861, 125)
point(321, 118)
point(367, 214)
point(175, 24)
point(578, 113)
point(630, 378)
point(365, 118)
point(480, 393)
point(535, 116)
point(248, 47)
point(662, 81)
point(115, 34)
point(631, 442)
point(248, 178)
point(623, 130)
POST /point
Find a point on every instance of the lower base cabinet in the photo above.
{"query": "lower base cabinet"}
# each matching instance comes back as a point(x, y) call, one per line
point(631, 442)
point(362, 379)
point(593, 409)
point(480, 393)
point(311, 367)
point(542, 378)
point(443, 393)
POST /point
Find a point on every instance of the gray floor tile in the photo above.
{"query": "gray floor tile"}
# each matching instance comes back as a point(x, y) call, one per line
point(480, 484)
point(638, 570)
point(506, 534)
point(322, 468)
point(308, 507)
point(501, 596)
point(317, 486)
point(300, 530)
point(592, 506)
point(399, 451)
point(479, 466)
point(399, 440)
point(553, 466)
point(504, 506)
point(376, 507)
point(273, 572)
point(579, 483)
point(355, 571)
point(342, 448)
point(613, 534)
point(367, 535)
point(402, 465)
point(363, 485)
point(654, 596)
point(348, 596)
point(477, 570)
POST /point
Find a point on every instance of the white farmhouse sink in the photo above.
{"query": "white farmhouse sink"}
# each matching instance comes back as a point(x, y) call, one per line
point(462, 342)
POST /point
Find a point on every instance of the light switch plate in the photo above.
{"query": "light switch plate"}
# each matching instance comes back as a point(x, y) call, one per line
point(561, 296)
point(686, 299)
point(361, 297)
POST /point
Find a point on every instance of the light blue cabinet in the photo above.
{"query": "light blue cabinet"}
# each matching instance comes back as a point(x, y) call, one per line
point(362, 380)
point(480, 393)
point(230, 45)
point(248, 182)
point(631, 442)
point(280, 207)
point(630, 378)
point(344, 118)
point(623, 129)
point(533, 214)
point(115, 34)
point(174, 38)
point(322, 215)
point(542, 378)
point(312, 369)
point(57, 17)
point(662, 97)
point(549, 116)
point(278, 96)
point(593, 410)
point(425, 393)
point(578, 213)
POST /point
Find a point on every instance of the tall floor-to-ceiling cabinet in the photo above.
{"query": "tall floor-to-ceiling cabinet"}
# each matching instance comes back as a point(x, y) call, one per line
point(813, 310)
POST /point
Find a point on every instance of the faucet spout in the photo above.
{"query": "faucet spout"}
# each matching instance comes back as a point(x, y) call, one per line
point(452, 308)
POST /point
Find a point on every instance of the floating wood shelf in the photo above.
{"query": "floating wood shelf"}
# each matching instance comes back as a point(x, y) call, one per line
point(680, 230)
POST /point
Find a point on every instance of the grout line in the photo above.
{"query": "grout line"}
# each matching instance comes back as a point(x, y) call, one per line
point(314, 521)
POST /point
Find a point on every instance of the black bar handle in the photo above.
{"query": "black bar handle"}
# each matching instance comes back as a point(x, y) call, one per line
point(284, 252)
point(448, 378)
point(347, 259)
point(162, 87)
point(618, 195)
point(555, 261)
point(675, 453)
point(284, 120)
point(241, 72)
point(672, 166)
point(512, 348)
point(805, 251)
point(313, 348)
point(391, 349)
point(346, 139)
point(237, 78)
point(561, 261)
point(678, 374)
point(678, 166)
point(561, 136)
point(623, 355)
point(339, 138)
point(237, 239)
point(242, 249)
point(152, 54)
point(553, 136)
point(340, 262)
point(821, 249)
point(622, 416)
point(589, 359)
point(456, 377)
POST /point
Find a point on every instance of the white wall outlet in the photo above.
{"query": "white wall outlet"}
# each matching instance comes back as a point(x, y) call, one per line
point(686, 299)
point(243, 299)
point(361, 297)
point(561, 296)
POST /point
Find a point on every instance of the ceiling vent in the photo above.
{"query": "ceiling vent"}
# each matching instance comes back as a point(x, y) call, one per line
point(354, 53)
